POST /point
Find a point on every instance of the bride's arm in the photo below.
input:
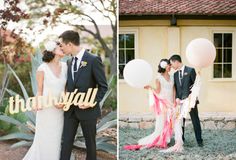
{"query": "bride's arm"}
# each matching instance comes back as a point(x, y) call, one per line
point(39, 79)
point(158, 86)
point(157, 89)
point(174, 94)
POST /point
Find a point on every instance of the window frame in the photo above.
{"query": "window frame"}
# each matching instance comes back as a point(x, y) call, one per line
point(233, 78)
point(124, 30)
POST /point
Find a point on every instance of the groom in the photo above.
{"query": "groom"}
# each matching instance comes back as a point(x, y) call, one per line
point(184, 79)
point(84, 71)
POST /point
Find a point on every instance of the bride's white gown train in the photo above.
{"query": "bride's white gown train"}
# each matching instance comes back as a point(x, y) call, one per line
point(167, 94)
point(49, 121)
point(161, 119)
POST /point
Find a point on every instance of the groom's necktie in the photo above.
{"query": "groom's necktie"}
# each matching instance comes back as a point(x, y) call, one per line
point(180, 77)
point(75, 59)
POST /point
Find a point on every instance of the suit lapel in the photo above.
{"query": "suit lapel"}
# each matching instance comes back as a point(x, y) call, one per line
point(84, 58)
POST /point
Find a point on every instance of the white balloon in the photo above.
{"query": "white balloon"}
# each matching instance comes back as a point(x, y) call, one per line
point(201, 52)
point(138, 73)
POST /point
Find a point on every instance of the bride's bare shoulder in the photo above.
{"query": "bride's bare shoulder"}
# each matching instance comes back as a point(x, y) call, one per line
point(41, 67)
point(158, 76)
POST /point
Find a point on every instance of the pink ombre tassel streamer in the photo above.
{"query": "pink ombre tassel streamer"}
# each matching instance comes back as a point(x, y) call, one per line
point(161, 140)
point(157, 101)
point(132, 147)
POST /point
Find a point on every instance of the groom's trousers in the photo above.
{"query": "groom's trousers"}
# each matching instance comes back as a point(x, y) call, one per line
point(196, 124)
point(69, 131)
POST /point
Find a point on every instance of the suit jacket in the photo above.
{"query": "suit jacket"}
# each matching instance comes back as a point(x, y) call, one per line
point(184, 89)
point(90, 76)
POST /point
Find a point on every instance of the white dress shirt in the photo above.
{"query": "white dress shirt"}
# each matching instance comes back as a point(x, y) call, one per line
point(79, 56)
point(182, 72)
point(182, 69)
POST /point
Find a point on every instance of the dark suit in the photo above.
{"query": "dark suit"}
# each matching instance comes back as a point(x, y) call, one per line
point(183, 89)
point(90, 76)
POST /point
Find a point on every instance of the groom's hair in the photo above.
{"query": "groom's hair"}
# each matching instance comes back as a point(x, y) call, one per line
point(176, 57)
point(70, 36)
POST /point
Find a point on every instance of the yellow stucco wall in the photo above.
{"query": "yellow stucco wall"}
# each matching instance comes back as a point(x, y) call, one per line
point(156, 40)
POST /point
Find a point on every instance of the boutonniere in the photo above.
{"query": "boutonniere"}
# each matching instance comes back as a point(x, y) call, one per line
point(83, 64)
point(185, 74)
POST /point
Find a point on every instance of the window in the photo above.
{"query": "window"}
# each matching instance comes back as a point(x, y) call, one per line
point(126, 50)
point(223, 62)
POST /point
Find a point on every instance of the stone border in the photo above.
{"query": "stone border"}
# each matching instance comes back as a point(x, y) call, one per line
point(209, 120)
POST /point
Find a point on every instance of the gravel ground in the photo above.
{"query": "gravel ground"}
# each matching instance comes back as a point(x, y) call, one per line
point(218, 145)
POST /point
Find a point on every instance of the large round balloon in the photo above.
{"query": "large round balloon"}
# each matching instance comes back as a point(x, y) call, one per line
point(201, 52)
point(138, 73)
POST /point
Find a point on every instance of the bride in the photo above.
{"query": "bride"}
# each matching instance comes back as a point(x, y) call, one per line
point(166, 119)
point(164, 105)
point(51, 77)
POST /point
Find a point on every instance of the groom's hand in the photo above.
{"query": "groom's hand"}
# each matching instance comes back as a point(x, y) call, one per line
point(59, 106)
point(84, 106)
point(175, 104)
point(177, 101)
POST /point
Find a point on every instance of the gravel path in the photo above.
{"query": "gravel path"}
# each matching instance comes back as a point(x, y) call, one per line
point(218, 144)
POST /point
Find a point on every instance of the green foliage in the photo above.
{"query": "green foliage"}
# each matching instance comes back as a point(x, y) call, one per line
point(96, 46)
point(22, 71)
point(111, 101)
point(6, 126)
point(4, 74)
point(20, 83)
point(103, 143)
point(3, 105)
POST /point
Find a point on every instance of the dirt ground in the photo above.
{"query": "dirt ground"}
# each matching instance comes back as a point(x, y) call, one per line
point(6, 153)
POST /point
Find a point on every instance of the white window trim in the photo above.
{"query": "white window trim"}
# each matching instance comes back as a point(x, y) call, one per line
point(128, 30)
point(233, 78)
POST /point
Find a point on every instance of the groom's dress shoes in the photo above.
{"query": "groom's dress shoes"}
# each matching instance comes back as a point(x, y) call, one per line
point(200, 144)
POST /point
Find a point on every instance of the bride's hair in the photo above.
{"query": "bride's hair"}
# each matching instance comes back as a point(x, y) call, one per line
point(48, 56)
point(161, 68)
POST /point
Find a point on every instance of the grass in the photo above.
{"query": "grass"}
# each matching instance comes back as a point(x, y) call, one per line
point(218, 144)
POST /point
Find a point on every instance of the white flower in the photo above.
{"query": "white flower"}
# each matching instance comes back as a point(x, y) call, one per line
point(83, 64)
point(50, 46)
point(163, 64)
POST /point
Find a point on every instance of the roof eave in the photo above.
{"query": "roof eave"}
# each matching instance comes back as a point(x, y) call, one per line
point(178, 16)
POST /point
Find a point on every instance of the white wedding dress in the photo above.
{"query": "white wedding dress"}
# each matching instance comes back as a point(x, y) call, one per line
point(166, 93)
point(49, 121)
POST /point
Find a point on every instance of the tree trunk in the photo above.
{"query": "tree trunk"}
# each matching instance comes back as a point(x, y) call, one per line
point(113, 62)
point(113, 55)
